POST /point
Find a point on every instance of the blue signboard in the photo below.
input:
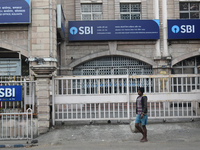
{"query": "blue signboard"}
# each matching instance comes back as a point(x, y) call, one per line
point(184, 29)
point(11, 93)
point(114, 30)
point(15, 11)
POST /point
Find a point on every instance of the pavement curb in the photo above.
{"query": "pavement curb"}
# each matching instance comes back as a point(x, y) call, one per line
point(13, 146)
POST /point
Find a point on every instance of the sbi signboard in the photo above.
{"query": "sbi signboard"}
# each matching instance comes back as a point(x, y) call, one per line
point(114, 30)
point(183, 29)
point(11, 93)
point(15, 11)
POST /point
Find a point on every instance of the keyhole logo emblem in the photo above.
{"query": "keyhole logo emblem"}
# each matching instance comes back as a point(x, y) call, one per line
point(73, 30)
point(175, 29)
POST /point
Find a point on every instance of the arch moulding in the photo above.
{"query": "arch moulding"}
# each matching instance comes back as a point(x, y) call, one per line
point(108, 53)
point(14, 48)
point(185, 56)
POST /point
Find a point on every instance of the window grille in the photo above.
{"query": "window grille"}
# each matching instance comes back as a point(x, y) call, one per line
point(91, 11)
point(188, 66)
point(189, 10)
point(113, 65)
point(130, 11)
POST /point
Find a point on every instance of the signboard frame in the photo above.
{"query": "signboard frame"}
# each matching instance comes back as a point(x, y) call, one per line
point(27, 21)
point(17, 93)
point(102, 30)
point(179, 29)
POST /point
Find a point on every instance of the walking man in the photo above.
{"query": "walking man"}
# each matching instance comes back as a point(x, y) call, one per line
point(141, 114)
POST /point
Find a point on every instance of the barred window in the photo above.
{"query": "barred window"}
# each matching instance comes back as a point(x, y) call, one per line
point(188, 66)
point(113, 65)
point(189, 10)
point(91, 11)
point(130, 11)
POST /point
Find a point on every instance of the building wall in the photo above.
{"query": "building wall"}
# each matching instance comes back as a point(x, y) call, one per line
point(78, 52)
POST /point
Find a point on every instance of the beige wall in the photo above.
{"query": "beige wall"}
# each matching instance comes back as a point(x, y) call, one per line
point(144, 49)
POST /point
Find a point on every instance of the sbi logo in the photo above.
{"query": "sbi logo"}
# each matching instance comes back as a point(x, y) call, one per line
point(7, 92)
point(183, 29)
point(81, 30)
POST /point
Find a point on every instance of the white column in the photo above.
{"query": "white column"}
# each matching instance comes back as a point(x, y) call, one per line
point(156, 16)
point(165, 36)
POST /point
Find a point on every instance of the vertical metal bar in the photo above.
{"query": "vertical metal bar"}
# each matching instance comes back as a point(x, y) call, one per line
point(14, 127)
point(95, 111)
point(113, 110)
point(99, 110)
point(196, 80)
point(177, 84)
point(85, 86)
point(25, 99)
point(108, 86)
point(23, 125)
point(186, 85)
point(123, 110)
point(86, 111)
point(72, 111)
point(6, 126)
point(122, 86)
point(136, 85)
point(145, 85)
point(31, 124)
point(191, 108)
point(118, 111)
point(62, 112)
point(128, 97)
point(154, 85)
point(67, 106)
point(104, 110)
point(58, 111)
point(67, 87)
point(90, 86)
point(10, 126)
point(182, 110)
point(196, 103)
point(178, 109)
point(159, 110)
point(164, 110)
point(104, 87)
point(2, 116)
point(76, 86)
point(182, 84)
point(27, 124)
point(149, 85)
point(90, 112)
point(187, 109)
point(172, 84)
point(71, 87)
point(53, 101)
point(76, 112)
point(190, 83)
point(19, 125)
point(81, 105)
point(155, 109)
point(173, 110)
point(159, 85)
point(62, 89)
point(150, 109)
point(109, 110)
point(118, 85)
point(163, 80)
point(168, 109)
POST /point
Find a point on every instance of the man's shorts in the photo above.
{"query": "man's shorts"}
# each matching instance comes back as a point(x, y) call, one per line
point(143, 120)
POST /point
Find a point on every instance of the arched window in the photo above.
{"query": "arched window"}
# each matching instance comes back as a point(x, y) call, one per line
point(187, 66)
point(113, 65)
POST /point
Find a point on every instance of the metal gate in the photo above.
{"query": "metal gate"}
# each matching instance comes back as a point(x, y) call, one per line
point(16, 117)
point(77, 98)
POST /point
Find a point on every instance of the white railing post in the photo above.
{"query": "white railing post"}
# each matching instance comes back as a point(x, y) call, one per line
point(53, 101)
point(128, 98)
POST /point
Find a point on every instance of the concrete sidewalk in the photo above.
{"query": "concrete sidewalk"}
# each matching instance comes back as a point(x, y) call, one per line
point(178, 135)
